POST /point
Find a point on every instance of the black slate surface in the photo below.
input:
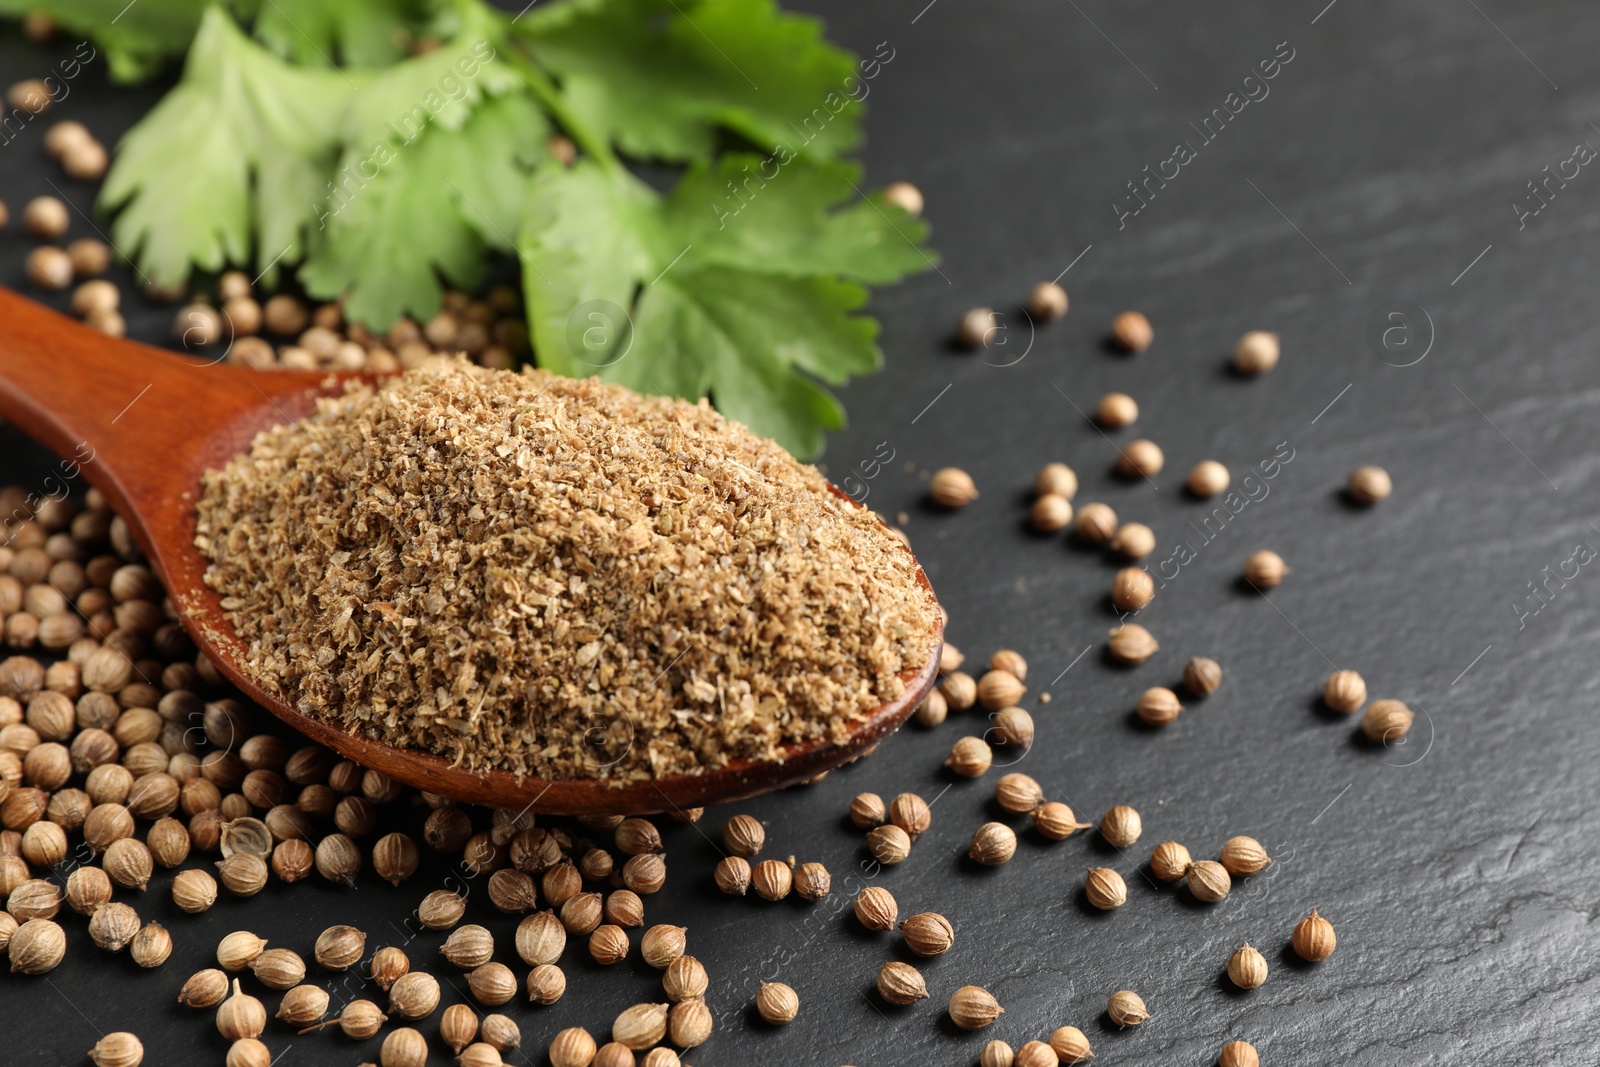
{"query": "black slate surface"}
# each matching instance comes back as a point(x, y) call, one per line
point(1382, 167)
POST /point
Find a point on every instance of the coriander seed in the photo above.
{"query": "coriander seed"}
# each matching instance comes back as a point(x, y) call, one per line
point(151, 946)
point(969, 757)
point(1131, 332)
point(1121, 826)
point(1387, 720)
point(905, 196)
point(733, 875)
point(1132, 588)
point(997, 1054)
point(888, 843)
point(1158, 706)
point(662, 944)
point(608, 945)
point(1036, 1054)
point(1013, 727)
point(492, 984)
point(1050, 513)
point(467, 947)
point(812, 881)
point(623, 908)
point(404, 1047)
point(1047, 302)
point(1244, 856)
point(1247, 968)
point(204, 989)
point(777, 1003)
point(1126, 1008)
point(645, 874)
point(389, 965)
point(1096, 524)
point(689, 1024)
point(973, 1007)
point(1018, 793)
point(959, 689)
point(128, 863)
point(1131, 644)
point(501, 1032)
point(977, 326)
point(931, 712)
point(1345, 691)
point(876, 908)
point(952, 487)
point(684, 979)
point(441, 909)
point(458, 1026)
point(901, 984)
point(744, 835)
point(640, 1026)
point(1256, 353)
point(279, 968)
point(415, 994)
point(1055, 479)
point(1209, 881)
point(1207, 478)
point(1133, 540)
point(928, 934)
point(1105, 888)
point(340, 947)
point(241, 1015)
point(1202, 676)
point(1313, 940)
point(582, 913)
point(1142, 458)
point(359, 1019)
point(1238, 1054)
point(395, 858)
point(993, 844)
point(772, 879)
point(634, 837)
point(38, 946)
point(546, 983)
point(1071, 1045)
point(1170, 861)
point(541, 938)
point(911, 813)
point(1265, 569)
point(1116, 410)
point(512, 891)
point(483, 1054)
point(1000, 689)
point(87, 889)
point(120, 1049)
point(239, 949)
point(1368, 485)
point(243, 874)
point(113, 926)
point(1055, 821)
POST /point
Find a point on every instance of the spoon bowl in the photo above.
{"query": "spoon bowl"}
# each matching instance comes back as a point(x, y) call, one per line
point(143, 425)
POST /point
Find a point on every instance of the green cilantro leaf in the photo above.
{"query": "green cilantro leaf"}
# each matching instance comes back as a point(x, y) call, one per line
point(661, 78)
point(360, 33)
point(137, 39)
point(229, 162)
point(664, 296)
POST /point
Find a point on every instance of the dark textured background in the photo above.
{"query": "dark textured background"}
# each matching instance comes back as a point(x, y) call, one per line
point(1383, 162)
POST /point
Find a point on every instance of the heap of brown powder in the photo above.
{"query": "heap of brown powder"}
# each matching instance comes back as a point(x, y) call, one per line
point(555, 577)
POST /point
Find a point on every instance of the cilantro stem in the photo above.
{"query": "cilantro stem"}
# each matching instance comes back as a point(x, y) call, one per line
point(543, 88)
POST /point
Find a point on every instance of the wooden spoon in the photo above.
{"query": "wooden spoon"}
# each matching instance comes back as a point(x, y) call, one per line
point(141, 425)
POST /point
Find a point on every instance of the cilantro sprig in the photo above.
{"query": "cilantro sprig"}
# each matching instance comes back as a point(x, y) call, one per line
point(319, 139)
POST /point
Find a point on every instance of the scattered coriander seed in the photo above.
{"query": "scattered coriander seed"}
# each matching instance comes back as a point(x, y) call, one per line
point(876, 909)
point(573, 1047)
point(1238, 1054)
point(128, 863)
point(889, 844)
point(1256, 353)
point(1368, 485)
point(911, 813)
point(1126, 1008)
point(733, 875)
point(120, 1049)
point(1131, 644)
point(415, 994)
point(1132, 588)
point(1047, 302)
point(959, 689)
point(905, 196)
point(1056, 479)
point(608, 945)
point(1142, 458)
point(1131, 332)
point(275, 968)
point(541, 938)
point(1207, 478)
point(777, 1003)
point(241, 1015)
point(952, 487)
point(1116, 410)
point(1055, 821)
point(303, 1005)
point(744, 835)
point(1105, 888)
point(950, 657)
point(441, 909)
point(512, 891)
point(1133, 540)
point(662, 944)
point(34, 899)
point(928, 934)
point(1000, 689)
point(483, 1054)
point(1158, 706)
point(389, 965)
point(467, 947)
point(359, 1019)
point(243, 874)
point(87, 889)
point(1170, 861)
point(1121, 826)
point(1314, 939)
point(901, 984)
point(1247, 968)
point(1209, 881)
point(933, 710)
point(1036, 1054)
point(812, 881)
point(394, 858)
point(1386, 720)
point(1071, 1045)
point(1010, 661)
point(90, 256)
point(993, 844)
point(1345, 691)
point(340, 947)
point(1013, 727)
point(772, 879)
point(492, 984)
point(46, 217)
point(1096, 524)
point(634, 837)
point(1018, 793)
point(997, 1054)
point(977, 326)
point(1265, 569)
point(973, 1007)
point(1244, 856)
point(501, 1032)
point(38, 946)
point(113, 926)
point(204, 989)
point(969, 758)
point(458, 1026)
point(546, 984)
point(689, 1024)
point(582, 913)
point(404, 1047)
point(1050, 513)
point(685, 979)
point(867, 810)
point(338, 859)
point(1202, 676)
